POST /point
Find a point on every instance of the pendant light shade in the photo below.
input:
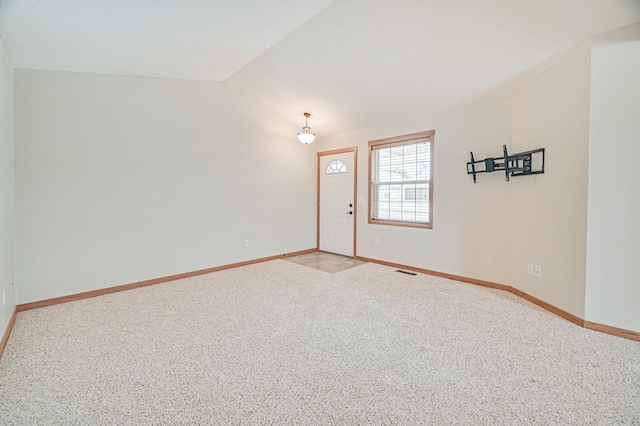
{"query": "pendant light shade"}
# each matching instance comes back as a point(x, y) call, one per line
point(306, 137)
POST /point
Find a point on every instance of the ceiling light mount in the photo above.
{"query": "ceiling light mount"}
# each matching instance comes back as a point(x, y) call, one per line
point(306, 137)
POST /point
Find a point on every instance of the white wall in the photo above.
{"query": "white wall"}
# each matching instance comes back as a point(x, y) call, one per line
point(471, 223)
point(549, 211)
point(7, 205)
point(493, 229)
point(122, 179)
point(613, 283)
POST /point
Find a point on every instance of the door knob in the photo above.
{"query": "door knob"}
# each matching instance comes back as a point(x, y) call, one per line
point(350, 205)
point(349, 212)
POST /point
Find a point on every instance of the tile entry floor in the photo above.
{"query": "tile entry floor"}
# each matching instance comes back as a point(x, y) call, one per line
point(327, 262)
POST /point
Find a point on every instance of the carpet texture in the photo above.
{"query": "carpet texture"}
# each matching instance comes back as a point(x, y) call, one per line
point(280, 343)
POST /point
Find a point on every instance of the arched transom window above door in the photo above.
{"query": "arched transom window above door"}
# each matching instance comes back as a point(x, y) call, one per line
point(336, 166)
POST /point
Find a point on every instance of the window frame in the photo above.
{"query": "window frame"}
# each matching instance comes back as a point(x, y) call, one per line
point(410, 139)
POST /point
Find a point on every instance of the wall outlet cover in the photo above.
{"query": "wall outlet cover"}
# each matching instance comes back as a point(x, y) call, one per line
point(530, 268)
point(538, 271)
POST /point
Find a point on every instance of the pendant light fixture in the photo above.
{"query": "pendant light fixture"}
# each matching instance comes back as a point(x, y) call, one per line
point(306, 137)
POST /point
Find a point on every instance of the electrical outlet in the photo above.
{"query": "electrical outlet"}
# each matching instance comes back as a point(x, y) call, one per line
point(376, 242)
point(530, 268)
point(246, 243)
point(538, 271)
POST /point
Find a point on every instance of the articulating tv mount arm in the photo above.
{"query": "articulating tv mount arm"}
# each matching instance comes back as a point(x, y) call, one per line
point(520, 164)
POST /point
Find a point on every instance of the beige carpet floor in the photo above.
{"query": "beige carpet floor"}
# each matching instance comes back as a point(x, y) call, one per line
point(280, 343)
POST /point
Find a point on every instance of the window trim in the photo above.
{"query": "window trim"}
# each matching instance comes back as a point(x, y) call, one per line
point(412, 138)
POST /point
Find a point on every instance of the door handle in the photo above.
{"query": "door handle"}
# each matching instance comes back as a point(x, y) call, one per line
point(349, 213)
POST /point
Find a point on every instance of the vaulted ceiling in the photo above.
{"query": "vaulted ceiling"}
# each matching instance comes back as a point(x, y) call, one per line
point(351, 63)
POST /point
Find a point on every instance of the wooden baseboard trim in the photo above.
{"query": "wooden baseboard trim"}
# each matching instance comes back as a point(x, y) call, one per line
point(548, 306)
point(7, 332)
point(115, 289)
point(620, 332)
point(438, 274)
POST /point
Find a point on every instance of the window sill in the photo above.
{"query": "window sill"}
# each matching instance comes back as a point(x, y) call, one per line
point(399, 223)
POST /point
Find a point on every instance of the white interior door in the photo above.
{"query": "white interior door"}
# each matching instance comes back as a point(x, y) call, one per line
point(337, 203)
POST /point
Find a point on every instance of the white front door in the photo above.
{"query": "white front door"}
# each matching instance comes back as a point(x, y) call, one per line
point(337, 203)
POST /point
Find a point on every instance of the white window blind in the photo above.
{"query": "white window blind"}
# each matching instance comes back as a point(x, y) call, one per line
point(401, 179)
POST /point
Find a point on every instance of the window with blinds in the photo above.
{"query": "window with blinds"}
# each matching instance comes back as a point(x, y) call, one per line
point(401, 180)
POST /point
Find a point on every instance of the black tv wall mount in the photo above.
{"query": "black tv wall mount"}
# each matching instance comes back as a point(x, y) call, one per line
point(521, 164)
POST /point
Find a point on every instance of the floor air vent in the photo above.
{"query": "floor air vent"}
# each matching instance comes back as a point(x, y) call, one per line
point(406, 272)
